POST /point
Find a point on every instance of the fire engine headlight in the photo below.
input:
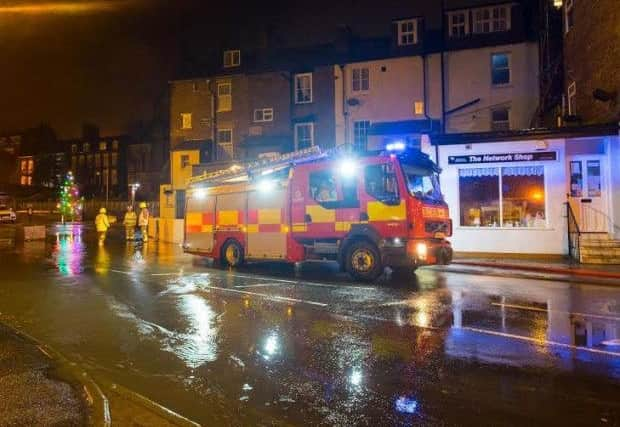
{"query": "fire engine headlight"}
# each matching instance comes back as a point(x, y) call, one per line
point(398, 242)
point(201, 193)
point(421, 250)
point(347, 168)
point(266, 185)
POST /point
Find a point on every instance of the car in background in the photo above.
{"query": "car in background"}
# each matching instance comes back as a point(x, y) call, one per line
point(7, 214)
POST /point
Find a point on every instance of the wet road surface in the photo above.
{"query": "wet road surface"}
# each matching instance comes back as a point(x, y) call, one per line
point(266, 346)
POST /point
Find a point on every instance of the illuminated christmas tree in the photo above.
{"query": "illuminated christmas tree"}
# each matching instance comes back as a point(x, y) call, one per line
point(70, 203)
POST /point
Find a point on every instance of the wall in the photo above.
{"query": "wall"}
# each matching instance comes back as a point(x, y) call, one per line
point(185, 99)
point(180, 174)
point(592, 58)
point(509, 240)
point(394, 85)
point(468, 76)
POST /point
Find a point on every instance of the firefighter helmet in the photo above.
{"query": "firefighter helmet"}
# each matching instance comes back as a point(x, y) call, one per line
point(142, 205)
point(102, 210)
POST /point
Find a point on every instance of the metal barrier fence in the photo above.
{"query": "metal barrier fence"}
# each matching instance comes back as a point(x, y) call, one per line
point(91, 207)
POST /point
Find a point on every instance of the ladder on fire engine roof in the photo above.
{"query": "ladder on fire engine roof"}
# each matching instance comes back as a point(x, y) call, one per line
point(237, 173)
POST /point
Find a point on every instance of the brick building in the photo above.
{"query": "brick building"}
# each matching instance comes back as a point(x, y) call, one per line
point(592, 60)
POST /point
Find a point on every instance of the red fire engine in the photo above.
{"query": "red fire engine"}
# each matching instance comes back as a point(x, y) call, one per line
point(366, 212)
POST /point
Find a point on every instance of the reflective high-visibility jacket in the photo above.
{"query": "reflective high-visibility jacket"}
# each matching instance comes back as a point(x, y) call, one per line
point(130, 219)
point(143, 219)
point(102, 223)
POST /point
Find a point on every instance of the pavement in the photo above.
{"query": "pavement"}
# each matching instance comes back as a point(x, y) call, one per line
point(268, 345)
point(31, 393)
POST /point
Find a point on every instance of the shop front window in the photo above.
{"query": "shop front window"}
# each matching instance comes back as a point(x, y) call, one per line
point(523, 196)
point(502, 197)
point(479, 197)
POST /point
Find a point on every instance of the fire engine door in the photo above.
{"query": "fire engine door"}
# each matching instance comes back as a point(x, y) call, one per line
point(324, 204)
point(199, 227)
point(267, 227)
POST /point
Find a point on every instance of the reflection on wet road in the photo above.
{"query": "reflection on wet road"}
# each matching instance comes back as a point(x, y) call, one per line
point(265, 346)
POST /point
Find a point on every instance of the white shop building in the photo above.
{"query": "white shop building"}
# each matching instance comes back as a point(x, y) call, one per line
point(507, 191)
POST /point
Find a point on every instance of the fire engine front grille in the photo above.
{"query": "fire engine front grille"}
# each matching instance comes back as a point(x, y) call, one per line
point(437, 227)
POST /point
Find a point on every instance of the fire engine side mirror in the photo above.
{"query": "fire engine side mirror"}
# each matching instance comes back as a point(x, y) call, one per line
point(307, 218)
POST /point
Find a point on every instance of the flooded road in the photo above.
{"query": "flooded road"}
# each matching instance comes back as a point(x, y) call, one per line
point(266, 346)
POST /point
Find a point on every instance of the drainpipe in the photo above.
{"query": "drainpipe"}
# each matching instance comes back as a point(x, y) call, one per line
point(424, 100)
point(443, 74)
point(213, 119)
point(345, 113)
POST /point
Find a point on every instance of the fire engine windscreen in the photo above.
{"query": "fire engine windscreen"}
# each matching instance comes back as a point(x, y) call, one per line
point(422, 183)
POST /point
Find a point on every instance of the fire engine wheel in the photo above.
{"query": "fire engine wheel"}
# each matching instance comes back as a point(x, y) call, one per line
point(232, 254)
point(364, 261)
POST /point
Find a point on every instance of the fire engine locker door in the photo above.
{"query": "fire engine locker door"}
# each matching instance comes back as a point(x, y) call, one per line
point(266, 227)
point(199, 227)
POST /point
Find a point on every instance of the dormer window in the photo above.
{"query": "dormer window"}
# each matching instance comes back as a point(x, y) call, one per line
point(407, 32)
point(232, 58)
point(491, 19)
point(458, 24)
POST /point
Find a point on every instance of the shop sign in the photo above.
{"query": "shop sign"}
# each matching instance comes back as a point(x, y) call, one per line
point(538, 156)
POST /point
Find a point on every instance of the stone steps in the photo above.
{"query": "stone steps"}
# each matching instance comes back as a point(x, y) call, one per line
point(599, 250)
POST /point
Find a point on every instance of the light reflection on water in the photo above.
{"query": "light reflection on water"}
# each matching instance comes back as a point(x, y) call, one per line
point(199, 344)
point(69, 250)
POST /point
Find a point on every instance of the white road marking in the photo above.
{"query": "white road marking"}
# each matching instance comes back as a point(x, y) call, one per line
point(541, 342)
point(260, 285)
point(128, 273)
point(530, 308)
point(300, 282)
point(179, 273)
point(266, 296)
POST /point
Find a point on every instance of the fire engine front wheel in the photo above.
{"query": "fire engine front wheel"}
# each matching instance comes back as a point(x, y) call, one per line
point(232, 254)
point(364, 261)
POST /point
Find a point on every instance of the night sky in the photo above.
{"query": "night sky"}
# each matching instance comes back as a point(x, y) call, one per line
point(108, 62)
point(104, 62)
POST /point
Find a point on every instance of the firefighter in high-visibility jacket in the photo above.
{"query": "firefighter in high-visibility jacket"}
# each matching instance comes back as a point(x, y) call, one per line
point(130, 221)
point(143, 221)
point(102, 224)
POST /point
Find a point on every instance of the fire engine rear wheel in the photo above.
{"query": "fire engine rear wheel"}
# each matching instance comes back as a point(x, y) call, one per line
point(232, 254)
point(364, 261)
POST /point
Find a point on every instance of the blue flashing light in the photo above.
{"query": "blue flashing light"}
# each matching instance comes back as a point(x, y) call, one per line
point(406, 405)
point(396, 146)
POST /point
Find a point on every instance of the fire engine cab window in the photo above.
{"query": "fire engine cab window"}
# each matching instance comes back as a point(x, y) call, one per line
point(380, 182)
point(323, 186)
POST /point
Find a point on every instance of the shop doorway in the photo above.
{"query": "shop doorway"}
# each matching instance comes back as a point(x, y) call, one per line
point(589, 192)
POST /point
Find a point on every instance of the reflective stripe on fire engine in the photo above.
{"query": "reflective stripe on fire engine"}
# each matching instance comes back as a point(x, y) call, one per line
point(226, 218)
point(320, 214)
point(378, 211)
point(269, 216)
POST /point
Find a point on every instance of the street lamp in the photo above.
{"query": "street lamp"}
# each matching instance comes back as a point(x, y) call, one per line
point(133, 188)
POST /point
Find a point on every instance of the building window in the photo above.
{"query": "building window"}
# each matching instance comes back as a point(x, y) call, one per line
point(224, 97)
point(407, 32)
point(502, 197)
point(303, 88)
point(97, 160)
point(23, 180)
point(500, 69)
point(569, 9)
point(572, 98)
point(24, 166)
point(103, 146)
point(458, 23)
point(186, 120)
point(86, 147)
point(115, 145)
point(304, 135)
point(491, 19)
point(232, 58)
point(74, 148)
point(184, 161)
point(114, 159)
point(224, 136)
point(500, 119)
point(90, 160)
point(418, 108)
point(360, 135)
point(113, 177)
point(361, 79)
point(263, 115)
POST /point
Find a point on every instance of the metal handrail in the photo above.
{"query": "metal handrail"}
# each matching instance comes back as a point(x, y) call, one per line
point(612, 227)
point(574, 234)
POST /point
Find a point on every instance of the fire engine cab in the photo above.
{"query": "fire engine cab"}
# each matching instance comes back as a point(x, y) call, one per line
point(367, 212)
